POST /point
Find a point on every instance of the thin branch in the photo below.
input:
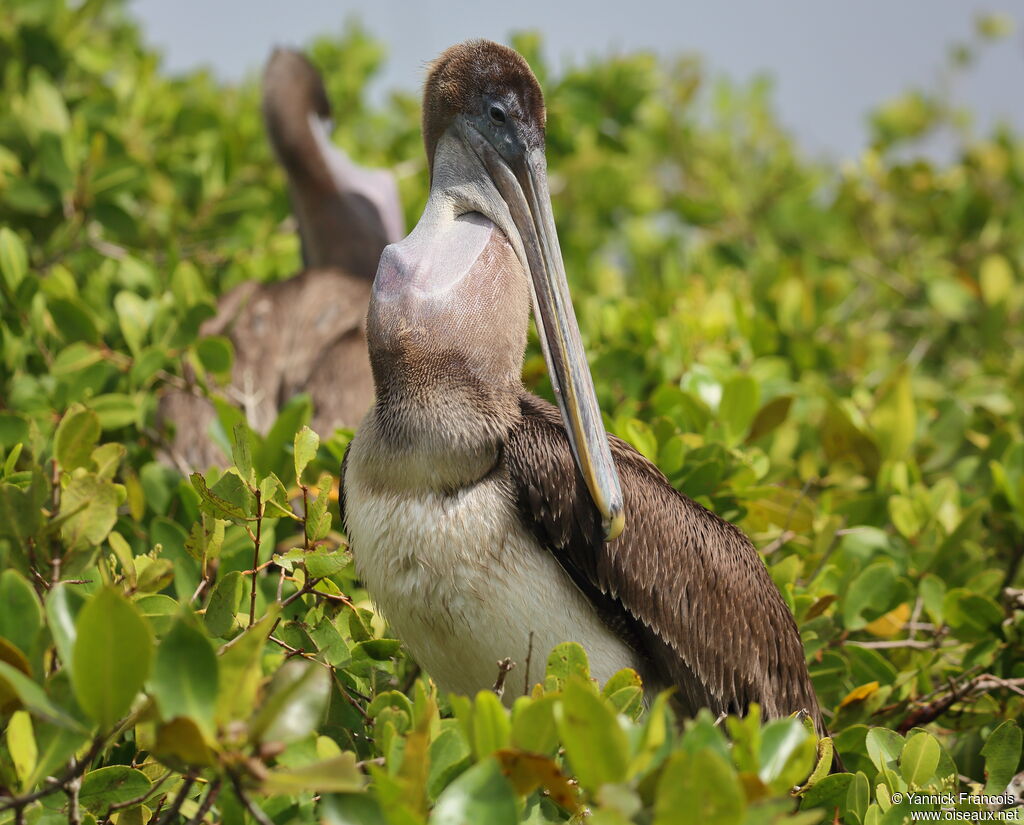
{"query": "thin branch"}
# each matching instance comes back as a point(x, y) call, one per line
point(74, 770)
point(71, 788)
point(250, 807)
point(504, 667)
point(208, 800)
point(138, 800)
point(968, 688)
point(529, 659)
point(255, 557)
point(893, 644)
point(775, 544)
point(345, 600)
point(179, 800)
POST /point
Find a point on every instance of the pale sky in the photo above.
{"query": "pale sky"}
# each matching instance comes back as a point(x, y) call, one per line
point(831, 60)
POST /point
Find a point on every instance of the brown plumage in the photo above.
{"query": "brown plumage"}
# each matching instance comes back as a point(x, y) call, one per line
point(687, 587)
point(305, 334)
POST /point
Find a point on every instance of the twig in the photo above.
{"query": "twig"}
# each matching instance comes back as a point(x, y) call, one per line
point(208, 800)
point(179, 800)
point(71, 788)
point(199, 589)
point(138, 800)
point(976, 686)
point(893, 644)
point(504, 666)
point(75, 768)
point(255, 557)
point(363, 764)
point(775, 544)
point(345, 600)
point(250, 807)
point(529, 658)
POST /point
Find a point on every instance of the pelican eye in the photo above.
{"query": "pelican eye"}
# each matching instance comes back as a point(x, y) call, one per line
point(497, 115)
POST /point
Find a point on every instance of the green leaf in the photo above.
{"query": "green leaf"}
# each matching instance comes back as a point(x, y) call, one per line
point(449, 755)
point(352, 809)
point(323, 561)
point(185, 676)
point(318, 519)
point(490, 724)
point(182, 742)
point(158, 611)
point(21, 745)
point(33, 698)
point(787, 754)
point(894, 419)
point(241, 453)
point(830, 792)
point(295, 703)
point(216, 505)
point(695, 789)
point(858, 795)
point(223, 604)
point(1002, 754)
point(76, 435)
point(480, 795)
point(338, 775)
point(20, 515)
point(736, 411)
point(74, 320)
point(115, 410)
point(566, 660)
point(135, 316)
point(972, 616)
point(13, 258)
point(111, 657)
point(240, 671)
point(216, 354)
point(108, 786)
point(91, 506)
point(884, 747)
point(307, 443)
point(770, 417)
point(919, 759)
point(533, 724)
point(594, 741)
point(330, 643)
point(21, 615)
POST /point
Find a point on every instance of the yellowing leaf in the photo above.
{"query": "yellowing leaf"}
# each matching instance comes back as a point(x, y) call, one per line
point(995, 279)
point(529, 771)
point(859, 694)
point(891, 624)
point(180, 740)
point(21, 744)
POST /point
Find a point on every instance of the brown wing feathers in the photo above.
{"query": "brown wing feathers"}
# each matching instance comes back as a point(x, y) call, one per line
point(680, 583)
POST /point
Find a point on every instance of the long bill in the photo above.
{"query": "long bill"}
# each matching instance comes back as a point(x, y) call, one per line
point(523, 185)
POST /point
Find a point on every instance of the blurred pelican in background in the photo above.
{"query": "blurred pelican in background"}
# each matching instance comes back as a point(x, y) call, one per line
point(305, 334)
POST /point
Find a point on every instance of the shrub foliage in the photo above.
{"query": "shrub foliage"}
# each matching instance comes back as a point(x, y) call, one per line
point(830, 356)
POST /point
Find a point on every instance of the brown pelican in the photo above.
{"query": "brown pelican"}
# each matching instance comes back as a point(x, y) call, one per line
point(480, 515)
point(305, 334)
